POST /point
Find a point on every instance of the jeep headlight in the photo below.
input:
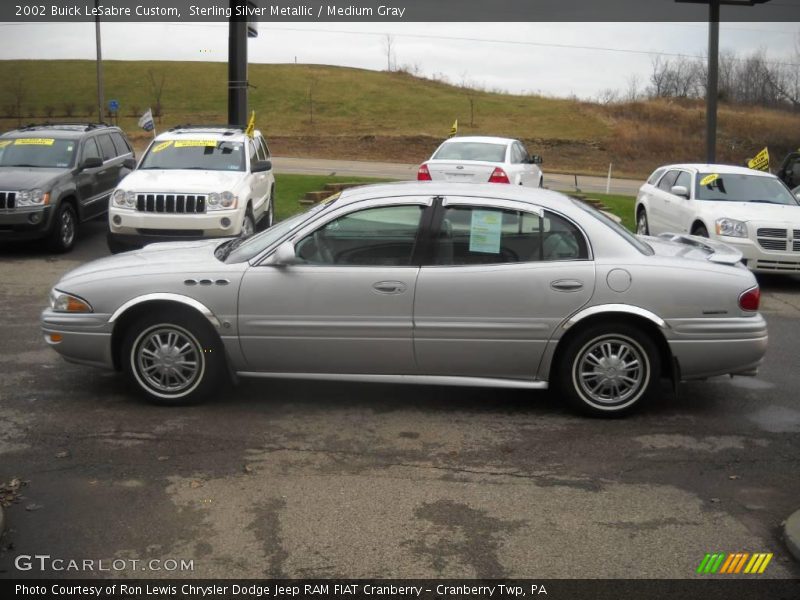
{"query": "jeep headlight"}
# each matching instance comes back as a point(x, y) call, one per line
point(35, 197)
point(731, 228)
point(63, 302)
point(122, 199)
point(221, 201)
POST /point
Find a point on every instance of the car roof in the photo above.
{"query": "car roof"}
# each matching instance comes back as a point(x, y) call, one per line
point(59, 130)
point(493, 191)
point(213, 132)
point(715, 168)
point(486, 139)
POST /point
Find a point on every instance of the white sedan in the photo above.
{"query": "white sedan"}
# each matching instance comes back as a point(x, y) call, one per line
point(480, 159)
point(752, 211)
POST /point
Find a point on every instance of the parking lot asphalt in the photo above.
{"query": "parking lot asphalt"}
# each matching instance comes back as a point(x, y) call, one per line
point(298, 479)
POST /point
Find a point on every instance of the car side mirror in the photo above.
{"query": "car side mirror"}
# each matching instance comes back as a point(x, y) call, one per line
point(535, 159)
point(260, 166)
point(129, 163)
point(93, 162)
point(285, 255)
point(680, 190)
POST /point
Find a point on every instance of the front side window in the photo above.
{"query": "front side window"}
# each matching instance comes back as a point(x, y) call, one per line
point(471, 151)
point(384, 236)
point(90, 149)
point(667, 181)
point(37, 152)
point(685, 180)
point(197, 154)
point(654, 177)
point(736, 187)
point(481, 235)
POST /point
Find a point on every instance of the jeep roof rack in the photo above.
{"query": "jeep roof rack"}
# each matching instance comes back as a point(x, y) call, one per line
point(227, 128)
point(74, 126)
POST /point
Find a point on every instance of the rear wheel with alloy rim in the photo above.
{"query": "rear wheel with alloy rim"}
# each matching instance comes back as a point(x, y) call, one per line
point(608, 369)
point(642, 226)
point(65, 225)
point(174, 358)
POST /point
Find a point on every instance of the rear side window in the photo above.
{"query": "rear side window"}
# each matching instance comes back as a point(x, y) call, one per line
point(120, 144)
point(482, 235)
point(106, 147)
point(654, 177)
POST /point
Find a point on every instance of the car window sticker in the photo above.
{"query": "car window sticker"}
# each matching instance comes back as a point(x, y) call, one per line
point(34, 142)
point(709, 179)
point(161, 146)
point(484, 231)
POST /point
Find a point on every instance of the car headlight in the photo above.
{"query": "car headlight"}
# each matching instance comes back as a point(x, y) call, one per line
point(731, 228)
point(35, 197)
point(63, 302)
point(122, 199)
point(221, 201)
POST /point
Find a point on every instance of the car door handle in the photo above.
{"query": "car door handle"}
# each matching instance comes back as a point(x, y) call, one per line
point(389, 287)
point(566, 285)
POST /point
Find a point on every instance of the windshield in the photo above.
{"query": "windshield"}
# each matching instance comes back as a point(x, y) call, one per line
point(633, 240)
point(206, 155)
point(735, 187)
point(236, 250)
point(471, 151)
point(37, 152)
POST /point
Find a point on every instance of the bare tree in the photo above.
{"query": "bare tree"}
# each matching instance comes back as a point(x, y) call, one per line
point(312, 87)
point(157, 87)
point(18, 92)
point(388, 46)
point(69, 108)
point(632, 93)
point(470, 90)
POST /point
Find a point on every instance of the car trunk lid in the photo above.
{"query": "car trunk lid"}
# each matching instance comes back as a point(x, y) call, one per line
point(694, 247)
point(467, 171)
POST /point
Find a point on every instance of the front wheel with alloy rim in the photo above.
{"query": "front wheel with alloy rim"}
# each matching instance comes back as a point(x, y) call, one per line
point(642, 227)
point(173, 357)
point(608, 370)
point(700, 230)
point(65, 225)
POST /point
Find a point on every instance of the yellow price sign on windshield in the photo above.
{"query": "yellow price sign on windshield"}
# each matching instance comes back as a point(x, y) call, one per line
point(709, 179)
point(162, 146)
point(195, 143)
point(34, 142)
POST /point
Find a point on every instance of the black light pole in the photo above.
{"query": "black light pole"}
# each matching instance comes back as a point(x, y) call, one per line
point(237, 67)
point(713, 67)
point(100, 100)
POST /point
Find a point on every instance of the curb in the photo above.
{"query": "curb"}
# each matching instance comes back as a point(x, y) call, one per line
point(791, 533)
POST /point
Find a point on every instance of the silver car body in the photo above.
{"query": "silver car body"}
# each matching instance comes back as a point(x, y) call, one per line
point(497, 324)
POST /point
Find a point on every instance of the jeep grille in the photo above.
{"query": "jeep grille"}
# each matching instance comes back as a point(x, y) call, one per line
point(171, 203)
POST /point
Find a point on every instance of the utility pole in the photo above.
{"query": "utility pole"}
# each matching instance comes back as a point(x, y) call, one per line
point(100, 100)
point(237, 67)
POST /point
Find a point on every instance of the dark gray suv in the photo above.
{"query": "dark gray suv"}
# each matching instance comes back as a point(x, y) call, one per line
point(54, 176)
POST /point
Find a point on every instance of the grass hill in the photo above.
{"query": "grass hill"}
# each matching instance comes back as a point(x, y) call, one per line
point(337, 112)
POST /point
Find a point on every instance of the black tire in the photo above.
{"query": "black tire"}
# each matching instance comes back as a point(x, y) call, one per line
point(151, 350)
point(64, 229)
point(582, 378)
point(700, 230)
point(642, 225)
point(248, 224)
point(541, 182)
point(115, 247)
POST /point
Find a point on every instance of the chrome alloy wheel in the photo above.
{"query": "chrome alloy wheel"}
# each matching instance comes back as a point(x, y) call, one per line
point(168, 361)
point(66, 230)
point(611, 372)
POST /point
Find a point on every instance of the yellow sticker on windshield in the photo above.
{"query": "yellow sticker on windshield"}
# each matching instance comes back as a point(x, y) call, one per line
point(195, 143)
point(162, 146)
point(709, 179)
point(5, 143)
point(34, 142)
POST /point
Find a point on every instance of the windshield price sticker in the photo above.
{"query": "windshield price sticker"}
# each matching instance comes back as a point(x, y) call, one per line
point(162, 146)
point(34, 142)
point(709, 179)
point(484, 233)
point(195, 143)
point(5, 143)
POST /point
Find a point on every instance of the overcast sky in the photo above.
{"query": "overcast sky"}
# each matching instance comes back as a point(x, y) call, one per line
point(498, 56)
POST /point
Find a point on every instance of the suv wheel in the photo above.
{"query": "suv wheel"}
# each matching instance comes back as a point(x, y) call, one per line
point(65, 224)
point(608, 369)
point(248, 224)
point(642, 226)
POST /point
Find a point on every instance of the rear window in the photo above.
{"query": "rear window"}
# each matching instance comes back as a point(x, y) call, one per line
point(472, 151)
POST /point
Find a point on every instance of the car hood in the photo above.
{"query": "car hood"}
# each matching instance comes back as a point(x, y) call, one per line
point(25, 178)
point(152, 259)
point(181, 180)
point(753, 211)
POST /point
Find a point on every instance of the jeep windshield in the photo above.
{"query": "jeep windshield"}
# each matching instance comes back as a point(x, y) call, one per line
point(736, 187)
point(205, 155)
point(44, 153)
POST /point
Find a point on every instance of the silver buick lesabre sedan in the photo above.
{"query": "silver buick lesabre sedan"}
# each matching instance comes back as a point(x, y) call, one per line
point(437, 283)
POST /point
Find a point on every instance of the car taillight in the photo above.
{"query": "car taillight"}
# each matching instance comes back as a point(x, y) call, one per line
point(423, 174)
point(750, 299)
point(498, 176)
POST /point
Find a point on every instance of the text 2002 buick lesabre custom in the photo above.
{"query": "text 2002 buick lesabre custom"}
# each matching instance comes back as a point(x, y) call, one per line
point(420, 282)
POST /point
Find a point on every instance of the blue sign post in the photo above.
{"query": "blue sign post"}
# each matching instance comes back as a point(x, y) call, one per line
point(113, 108)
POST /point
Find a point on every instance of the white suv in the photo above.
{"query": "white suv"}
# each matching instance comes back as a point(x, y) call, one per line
point(193, 183)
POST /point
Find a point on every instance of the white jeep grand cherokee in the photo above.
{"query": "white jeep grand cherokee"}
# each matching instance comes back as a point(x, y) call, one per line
point(192, 183)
